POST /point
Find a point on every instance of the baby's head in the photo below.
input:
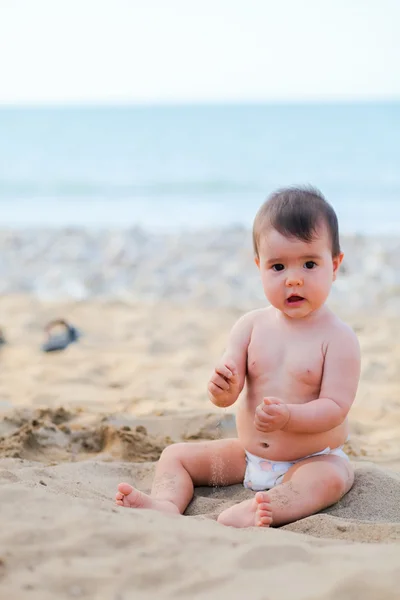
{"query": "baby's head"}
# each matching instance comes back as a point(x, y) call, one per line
point(297, 249)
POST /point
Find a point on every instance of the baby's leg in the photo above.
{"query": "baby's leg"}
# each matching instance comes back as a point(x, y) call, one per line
point(308, 487)
point(183, 466)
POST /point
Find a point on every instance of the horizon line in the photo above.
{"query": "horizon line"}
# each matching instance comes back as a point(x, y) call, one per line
point(197, 103)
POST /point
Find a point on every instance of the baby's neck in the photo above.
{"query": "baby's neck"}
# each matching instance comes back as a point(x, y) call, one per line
point(321, 313)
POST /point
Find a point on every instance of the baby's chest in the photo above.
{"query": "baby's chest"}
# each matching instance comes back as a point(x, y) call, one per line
point(302, 363)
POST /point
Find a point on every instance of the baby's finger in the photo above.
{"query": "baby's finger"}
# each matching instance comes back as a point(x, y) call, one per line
point(263, 417)
point(264, 427)
point(224, 371)
point(272, 410)
point(272, 401)
point(229, 364)
point(260, 412)
point(266, 402)
point(214, 389)
point(267, 410)
point(220, 381)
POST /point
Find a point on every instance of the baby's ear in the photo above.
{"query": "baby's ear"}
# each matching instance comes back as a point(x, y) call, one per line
point(257, 261)
point(337, 261)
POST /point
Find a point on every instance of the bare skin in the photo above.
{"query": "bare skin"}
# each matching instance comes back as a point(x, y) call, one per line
point(298, 367)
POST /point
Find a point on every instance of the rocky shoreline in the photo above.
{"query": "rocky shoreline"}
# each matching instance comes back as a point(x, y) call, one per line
point(209, 267)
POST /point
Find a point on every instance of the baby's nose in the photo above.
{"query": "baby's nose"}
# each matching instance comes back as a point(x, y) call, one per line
point(294, 279)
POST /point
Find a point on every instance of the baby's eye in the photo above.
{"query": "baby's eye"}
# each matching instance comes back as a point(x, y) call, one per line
point(278, 267)
point(310, 264)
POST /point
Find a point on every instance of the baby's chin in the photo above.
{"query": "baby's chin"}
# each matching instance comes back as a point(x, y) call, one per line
point(298, 310)
point(297, 314)
point(303, 312)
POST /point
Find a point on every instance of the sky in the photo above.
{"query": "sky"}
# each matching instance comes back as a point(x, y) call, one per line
point(194, 51)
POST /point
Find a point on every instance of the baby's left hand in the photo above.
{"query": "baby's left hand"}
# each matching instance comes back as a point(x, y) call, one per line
point(271, 415)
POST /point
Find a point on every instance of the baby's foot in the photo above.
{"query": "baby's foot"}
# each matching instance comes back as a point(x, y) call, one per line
point(255, 512)
point(131, 498)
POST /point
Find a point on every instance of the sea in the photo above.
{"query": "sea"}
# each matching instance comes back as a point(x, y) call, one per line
point(191, 167)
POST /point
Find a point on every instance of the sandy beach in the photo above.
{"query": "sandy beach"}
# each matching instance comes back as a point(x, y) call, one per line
point(155, 313)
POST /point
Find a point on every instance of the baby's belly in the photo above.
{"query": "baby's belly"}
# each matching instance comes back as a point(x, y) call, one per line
point(283, 445)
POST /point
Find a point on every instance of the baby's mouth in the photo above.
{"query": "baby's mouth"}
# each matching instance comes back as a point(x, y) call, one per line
point(294, 299)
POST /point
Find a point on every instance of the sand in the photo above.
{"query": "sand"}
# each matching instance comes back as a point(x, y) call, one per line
point(75, 424)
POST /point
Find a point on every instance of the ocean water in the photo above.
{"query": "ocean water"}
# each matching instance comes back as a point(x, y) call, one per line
point(177, 167)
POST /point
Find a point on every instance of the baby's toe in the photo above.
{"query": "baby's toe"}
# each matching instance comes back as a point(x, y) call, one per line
point(262, 498)
point(125, 489)
point(264, 521)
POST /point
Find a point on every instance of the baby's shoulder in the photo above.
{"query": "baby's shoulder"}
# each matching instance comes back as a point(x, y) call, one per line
point(339, 327)
point(257, 316)
point(340, 334)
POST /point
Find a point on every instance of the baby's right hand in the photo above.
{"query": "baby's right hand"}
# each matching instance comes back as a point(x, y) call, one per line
point(223, 387)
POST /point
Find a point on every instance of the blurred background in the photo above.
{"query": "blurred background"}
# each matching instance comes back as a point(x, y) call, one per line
point(138, 139)
point(134, 135)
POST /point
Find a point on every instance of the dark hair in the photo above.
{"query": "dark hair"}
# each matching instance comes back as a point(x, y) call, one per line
point(297, 212)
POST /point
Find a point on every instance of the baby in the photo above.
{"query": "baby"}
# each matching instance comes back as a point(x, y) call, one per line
point(299, 365)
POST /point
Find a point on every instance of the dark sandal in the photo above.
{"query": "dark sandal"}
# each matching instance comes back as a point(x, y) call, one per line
point(59, 341)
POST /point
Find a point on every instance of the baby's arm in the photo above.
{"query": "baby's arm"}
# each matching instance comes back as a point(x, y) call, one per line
point(338, 388)
point(228, 378)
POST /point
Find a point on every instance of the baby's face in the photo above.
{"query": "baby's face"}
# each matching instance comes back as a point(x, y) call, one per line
point(296, 275)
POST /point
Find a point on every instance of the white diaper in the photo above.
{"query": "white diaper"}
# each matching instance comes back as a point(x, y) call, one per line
point(262, 474)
